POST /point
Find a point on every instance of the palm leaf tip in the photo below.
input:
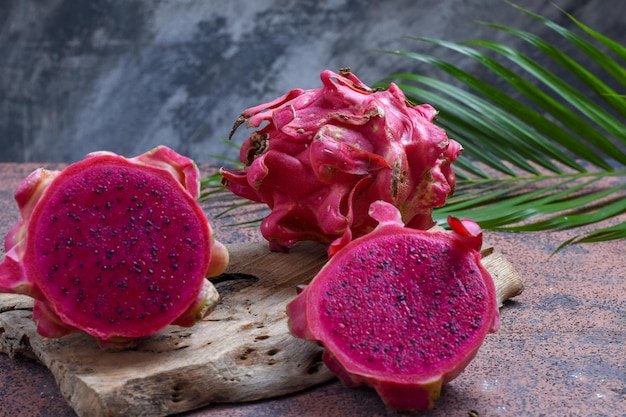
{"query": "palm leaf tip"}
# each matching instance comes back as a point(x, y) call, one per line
point(540, 129)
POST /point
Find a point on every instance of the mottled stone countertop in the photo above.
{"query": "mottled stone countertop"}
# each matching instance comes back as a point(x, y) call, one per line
point(560, 350)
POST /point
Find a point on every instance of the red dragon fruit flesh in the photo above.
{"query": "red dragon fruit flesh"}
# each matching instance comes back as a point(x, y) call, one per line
point(401, 310)
point(115, 247)
point(322, 156)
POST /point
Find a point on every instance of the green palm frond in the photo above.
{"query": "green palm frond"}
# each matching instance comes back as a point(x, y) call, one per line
point(544, 154)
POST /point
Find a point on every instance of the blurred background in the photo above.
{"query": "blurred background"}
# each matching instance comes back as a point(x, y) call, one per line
point(79, 76)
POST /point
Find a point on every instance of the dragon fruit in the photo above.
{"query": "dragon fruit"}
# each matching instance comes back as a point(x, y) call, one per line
point(324, 155)
point(115, 247)
point(401, 310)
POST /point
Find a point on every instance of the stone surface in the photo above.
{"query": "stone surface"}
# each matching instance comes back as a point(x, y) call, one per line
point(559, 350)
point(127, 75)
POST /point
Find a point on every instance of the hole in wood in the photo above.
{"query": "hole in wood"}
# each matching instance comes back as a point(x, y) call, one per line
point(273, 352)
point(245, 354)
point(176, 395)
point(315, 365)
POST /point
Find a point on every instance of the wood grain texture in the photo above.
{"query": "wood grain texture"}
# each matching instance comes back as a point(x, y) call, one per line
point(241, 352)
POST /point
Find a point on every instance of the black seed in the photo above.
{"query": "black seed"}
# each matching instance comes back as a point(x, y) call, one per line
point(384, 265)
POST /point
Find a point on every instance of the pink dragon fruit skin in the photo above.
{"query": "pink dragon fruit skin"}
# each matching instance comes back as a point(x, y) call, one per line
point(324, 155)
point(115, 247)
point(401, 310)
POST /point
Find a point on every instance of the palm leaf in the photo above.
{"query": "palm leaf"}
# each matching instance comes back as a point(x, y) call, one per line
point(542, 155)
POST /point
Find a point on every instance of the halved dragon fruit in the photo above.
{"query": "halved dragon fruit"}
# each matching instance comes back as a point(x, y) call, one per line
point(324, 155)
point(118, 248)
point(401, 310)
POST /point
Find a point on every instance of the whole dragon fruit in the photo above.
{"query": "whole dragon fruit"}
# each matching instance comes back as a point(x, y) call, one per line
point(324, 155)
point(401, 310)
point(115, 247)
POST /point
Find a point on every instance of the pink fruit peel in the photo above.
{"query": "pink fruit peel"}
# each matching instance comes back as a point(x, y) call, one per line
point(401, 310)
point(324, 155)
point(115, 247)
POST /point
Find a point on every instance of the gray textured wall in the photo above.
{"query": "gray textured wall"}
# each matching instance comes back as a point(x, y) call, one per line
point(78, 76)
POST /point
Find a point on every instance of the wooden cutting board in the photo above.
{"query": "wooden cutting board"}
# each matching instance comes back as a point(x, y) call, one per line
point(241, 352)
